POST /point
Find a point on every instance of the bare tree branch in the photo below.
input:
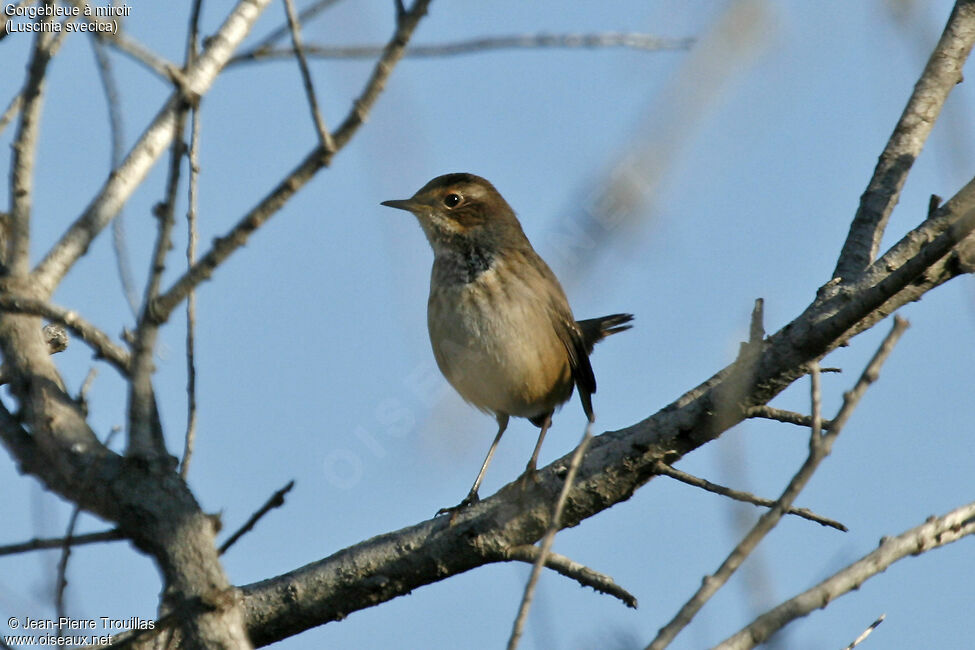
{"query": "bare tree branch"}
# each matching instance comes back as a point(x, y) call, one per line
point(119, 244)
point(135, 50)
point(276, 500)
point(61, 583)
point(940, 75)
point(616, 465)
point(50, 437)
point(304, 16)
point(17, 102)
point(867, 632)
point(117, 189)
point(789, 417)
point(554, 526)
point(100, 343)
point(631, 40)
point(16, 256)
point(571, 569)
point(38, 544)
point(325, 138)
point(145, 434)
point(934, 533)
point(154, 508)
point(745, 497)
point(820, 445)
point(191, 237)
point(223, 247)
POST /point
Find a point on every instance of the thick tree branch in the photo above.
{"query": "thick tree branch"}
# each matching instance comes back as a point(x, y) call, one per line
point(942, 72)
point(120, 185)
point(934, 533)
point(100, 342)
point(153, 508)
point(616, 465)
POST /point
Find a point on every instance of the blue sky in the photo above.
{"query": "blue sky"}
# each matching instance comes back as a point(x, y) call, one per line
point(312, 335)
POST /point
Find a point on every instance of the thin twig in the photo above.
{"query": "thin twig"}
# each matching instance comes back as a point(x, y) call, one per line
point(82, 398)
point(193, 33)
point(62, 576)
point(873, 626)
point(16, 257)
point(934, 533)
point(580, 573)
point(142, 442)
point(4, 19)
point(275, 501)
point(325, 138)
point(100, 343)
point(43, 544)
point(941, 74)
point(636, 41)
point(17, 102)
point(789, 417)
point(138, 52)
point(132, 48)
point(756, 327)
point(18, 442)
point(546, 547)
point(122, 262)
point(819, 448)
point(738, 495)
point(816, 397)
point(13, 108)
point(191, 238)
point(223, 247)
point(304, 16)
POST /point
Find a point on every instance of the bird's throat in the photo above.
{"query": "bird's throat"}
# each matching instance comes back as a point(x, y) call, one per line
point(462, 264)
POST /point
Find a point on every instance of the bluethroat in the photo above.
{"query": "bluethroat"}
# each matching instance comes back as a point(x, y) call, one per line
point(500, 325)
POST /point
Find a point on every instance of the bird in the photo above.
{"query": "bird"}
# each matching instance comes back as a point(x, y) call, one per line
point(500, 324)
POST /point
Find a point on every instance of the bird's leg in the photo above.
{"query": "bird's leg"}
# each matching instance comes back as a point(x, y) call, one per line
point(533, 461)
point(472, 497)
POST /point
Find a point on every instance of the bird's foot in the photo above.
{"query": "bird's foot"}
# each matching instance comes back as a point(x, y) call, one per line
point(453, 511)
point(529, 476)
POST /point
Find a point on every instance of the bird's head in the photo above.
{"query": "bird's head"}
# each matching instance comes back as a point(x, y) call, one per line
point(463, 210)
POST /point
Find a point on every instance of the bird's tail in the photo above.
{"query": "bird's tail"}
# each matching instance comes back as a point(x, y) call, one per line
point(595, 330)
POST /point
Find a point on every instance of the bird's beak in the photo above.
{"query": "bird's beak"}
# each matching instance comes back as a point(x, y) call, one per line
point(402, 204)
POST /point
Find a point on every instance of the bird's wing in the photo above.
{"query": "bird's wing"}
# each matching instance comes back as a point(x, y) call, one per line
point(572, 338)
point(582, 373)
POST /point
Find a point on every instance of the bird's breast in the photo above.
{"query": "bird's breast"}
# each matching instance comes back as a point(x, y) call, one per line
point(495, 340)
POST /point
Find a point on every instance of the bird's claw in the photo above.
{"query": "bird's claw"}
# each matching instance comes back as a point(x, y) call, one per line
point(453, 511)
point(530, 475)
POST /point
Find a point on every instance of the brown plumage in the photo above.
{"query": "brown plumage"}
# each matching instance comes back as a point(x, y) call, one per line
point(501, 328)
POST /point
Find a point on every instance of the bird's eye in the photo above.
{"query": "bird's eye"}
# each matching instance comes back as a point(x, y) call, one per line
point(451, 200)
